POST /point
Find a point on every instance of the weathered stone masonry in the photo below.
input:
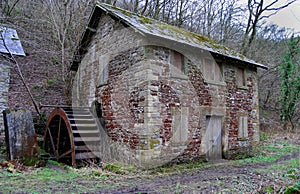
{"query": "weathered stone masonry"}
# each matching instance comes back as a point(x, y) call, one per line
point(169, 101)
point(4, 85)
point(157, 111)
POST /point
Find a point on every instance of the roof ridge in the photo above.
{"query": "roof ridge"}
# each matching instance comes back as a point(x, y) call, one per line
point(149, 26)
point(161, 29)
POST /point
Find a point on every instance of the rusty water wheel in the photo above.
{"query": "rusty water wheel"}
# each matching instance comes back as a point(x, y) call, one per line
point(72, 136)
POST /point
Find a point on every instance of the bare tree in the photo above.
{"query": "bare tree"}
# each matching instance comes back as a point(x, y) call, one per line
point(7, 6)
point(228, 26)
point(65, 18)
point(257, 12)
point(112, 2)
point(18, 69)
point(145, 7)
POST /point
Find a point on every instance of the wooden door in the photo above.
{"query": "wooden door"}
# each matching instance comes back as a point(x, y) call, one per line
point(214, 138)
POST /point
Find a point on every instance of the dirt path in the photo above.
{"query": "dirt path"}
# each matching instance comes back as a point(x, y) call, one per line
point(220, 178)
point(268, 174)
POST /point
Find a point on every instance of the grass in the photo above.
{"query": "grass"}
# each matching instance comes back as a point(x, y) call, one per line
point(270, 152)
point(289, 164)
point(47, 180)
point(57, 178)
point(46, 174)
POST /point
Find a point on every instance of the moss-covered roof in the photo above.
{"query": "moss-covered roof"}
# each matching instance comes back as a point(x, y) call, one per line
point(163, 30)
point(148, 26)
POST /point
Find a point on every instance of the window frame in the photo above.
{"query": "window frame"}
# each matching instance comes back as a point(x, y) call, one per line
point(243, 71)
point(211, 78)
point(103, 74)
point(176, 71)
point(243, 128)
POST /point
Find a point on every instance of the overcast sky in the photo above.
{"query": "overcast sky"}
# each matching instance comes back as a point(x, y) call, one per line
point(288, 17)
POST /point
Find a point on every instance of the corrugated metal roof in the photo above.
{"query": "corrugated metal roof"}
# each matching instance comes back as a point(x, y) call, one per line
point(12, 42)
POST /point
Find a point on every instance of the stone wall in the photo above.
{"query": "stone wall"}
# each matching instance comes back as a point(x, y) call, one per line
point(111, 39)
point(20, 136)
point(155, 111)
point(4, 86)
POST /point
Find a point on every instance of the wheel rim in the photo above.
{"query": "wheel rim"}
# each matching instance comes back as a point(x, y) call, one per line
point(58, 139)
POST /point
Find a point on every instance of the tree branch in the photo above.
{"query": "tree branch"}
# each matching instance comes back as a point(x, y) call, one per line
point(12, 58)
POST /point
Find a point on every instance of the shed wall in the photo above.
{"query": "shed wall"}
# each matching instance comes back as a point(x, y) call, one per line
point(4, 86)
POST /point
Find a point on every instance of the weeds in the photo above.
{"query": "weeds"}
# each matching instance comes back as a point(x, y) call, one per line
point(293, 189)
point(3, 150)
point(270, 152)
point(293, 174)
point(56, 177)
point(115, 168)
point(263, 136)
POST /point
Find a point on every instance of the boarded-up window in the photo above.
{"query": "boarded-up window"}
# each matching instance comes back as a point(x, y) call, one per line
point(212, 70)
point(243, 127)
point(103, 65)
point(104, 74)
point(241, 78)
point(178, 61)
point(218, 72)
point(180, 125)
point(208, 69)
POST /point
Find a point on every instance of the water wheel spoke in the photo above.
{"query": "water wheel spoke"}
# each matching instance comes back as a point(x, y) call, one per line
point(66, 153)
point(63, 129)
point(52, 143)
point(58, 135)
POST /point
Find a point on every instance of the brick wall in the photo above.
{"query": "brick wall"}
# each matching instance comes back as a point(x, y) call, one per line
point(154, 110)
point(241, 102)
point(111, 38)
point(118, 45)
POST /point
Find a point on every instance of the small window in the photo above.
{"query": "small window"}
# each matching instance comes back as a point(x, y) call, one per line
point(218, 72)
point(103, 65)
point(243, 128)
point(213, 70)
point(241, 77)
point(178, 61)
point(208, 69)
point(104, 75)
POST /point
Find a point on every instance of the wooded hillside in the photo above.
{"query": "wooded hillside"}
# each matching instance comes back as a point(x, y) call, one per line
point(50, 30)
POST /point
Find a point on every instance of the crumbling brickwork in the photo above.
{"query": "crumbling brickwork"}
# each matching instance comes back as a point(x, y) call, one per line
point(159, 110)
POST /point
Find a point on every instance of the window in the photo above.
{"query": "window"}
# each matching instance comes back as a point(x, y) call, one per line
point(103, 65)
point(104, 74)
point(241, 77)
point(243, 128)
point(178, 61)
point(212, 70)
point(178, 66)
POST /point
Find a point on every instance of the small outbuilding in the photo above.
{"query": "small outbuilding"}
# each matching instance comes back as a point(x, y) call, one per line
point(164, 94)
point(9, 44)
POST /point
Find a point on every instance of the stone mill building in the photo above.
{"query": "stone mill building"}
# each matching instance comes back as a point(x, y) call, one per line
point(165, 94)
